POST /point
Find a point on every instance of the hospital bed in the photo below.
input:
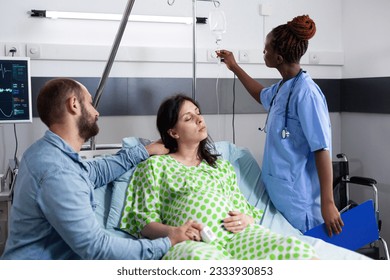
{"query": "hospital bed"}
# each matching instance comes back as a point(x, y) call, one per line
point(110, 198)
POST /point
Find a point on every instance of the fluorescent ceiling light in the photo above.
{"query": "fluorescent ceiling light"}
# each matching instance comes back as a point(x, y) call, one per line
point(103, 16)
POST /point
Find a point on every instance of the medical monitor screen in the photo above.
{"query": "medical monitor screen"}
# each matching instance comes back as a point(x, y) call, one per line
point(15, 90)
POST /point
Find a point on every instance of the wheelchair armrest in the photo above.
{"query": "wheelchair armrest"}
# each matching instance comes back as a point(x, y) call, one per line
point(362, 181)
point(369, 182)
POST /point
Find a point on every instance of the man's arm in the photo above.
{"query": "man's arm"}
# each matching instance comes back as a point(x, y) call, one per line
point(106, 169)
point(65, 200)
point(103, 170)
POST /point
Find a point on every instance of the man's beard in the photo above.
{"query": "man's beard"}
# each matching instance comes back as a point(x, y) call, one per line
point(87, 128)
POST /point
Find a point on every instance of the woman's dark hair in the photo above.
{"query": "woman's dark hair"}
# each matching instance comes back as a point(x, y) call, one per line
point(167, 117)
point(291, 40)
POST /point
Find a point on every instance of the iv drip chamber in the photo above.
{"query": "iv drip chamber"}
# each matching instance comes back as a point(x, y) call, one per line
point(217, 23)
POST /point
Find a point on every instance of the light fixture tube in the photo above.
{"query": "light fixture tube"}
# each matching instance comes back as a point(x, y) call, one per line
point(114, 17)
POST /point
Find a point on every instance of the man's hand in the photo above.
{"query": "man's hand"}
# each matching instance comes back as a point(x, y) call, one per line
point(156, 148)
point(180, 234)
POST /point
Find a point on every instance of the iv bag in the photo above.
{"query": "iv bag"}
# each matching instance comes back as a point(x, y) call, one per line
point(217, 23)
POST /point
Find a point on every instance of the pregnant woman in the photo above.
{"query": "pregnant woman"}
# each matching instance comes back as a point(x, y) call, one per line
point(193, 183)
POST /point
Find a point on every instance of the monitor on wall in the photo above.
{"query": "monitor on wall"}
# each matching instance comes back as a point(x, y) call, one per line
point(15, 90)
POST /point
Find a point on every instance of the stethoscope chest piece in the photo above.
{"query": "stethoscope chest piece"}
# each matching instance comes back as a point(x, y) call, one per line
point(285, 133)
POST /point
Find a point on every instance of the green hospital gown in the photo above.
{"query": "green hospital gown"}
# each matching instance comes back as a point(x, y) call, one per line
point(164, 190)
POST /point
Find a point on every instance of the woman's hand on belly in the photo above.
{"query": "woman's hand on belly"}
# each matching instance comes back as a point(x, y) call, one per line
point(237, 221)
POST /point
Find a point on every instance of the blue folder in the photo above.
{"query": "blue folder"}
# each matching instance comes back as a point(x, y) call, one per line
point(360, 228)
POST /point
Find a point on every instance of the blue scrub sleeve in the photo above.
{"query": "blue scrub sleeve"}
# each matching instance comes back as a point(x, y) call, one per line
point(314, 116)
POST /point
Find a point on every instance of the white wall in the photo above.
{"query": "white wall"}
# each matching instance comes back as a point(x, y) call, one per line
point(365, 137)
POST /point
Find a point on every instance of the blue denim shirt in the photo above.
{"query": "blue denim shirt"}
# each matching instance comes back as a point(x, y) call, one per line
point(52, 216)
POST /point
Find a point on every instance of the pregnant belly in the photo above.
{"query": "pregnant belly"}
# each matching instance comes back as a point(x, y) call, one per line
point(207, 208)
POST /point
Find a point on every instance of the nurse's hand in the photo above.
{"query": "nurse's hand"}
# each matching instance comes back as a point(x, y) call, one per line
point(228, 58)
point(332, 219)
point(237, 221)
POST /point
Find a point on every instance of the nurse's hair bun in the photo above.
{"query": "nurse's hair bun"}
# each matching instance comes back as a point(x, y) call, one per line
point(303, 27)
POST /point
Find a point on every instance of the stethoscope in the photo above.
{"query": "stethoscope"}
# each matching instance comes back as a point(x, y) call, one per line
point(285, 132)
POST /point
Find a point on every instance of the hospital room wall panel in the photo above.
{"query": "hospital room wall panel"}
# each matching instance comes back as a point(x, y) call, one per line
point(116, 101)
point(142, 96)
point(366, 95)
point(146, 94)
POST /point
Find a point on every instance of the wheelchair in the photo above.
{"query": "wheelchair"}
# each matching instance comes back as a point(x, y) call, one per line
point(342, 184)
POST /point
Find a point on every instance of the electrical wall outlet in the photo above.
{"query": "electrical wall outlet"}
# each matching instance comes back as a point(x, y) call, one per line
point(13, 49)
point(314, 58)
point(33, 50)
point(243, 56)
point(265, 9)
point(212, 55)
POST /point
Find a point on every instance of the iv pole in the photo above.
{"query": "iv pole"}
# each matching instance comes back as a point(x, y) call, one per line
point(111, 58)
point(194, 19)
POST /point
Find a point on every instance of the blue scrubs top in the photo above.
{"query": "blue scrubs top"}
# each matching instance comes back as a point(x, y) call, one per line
point(289, 171)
